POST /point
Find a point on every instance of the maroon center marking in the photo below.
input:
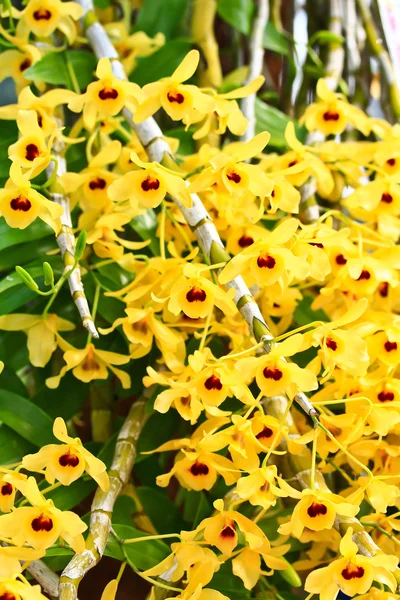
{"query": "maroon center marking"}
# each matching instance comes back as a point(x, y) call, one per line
point(364, 275)
point(42, 14)
point(317, 244)
point(266, 261)
point(391, 162)
point(265, 433)
point(6, 489)
point(108, 94)
point(31, 152)
point(69, 460)
point(332, 345)
point(42, 523)
point(213, 383)
point(385, 396)
point(389, 346)
point(234, 176)
point(196, 294)
point(292, 163)
point(352, 572)
point(98, 184)
point(245, 241)
point(384, 289)
point(316, 509)
point(199, 468)
point(228, 531)
point(26, 63)
point(387, 198)
point(8, 596)
point(270, 373)
point(331, 115)
point(150, 183)
point(21, 203)
point(176, 97)
point(340, 259)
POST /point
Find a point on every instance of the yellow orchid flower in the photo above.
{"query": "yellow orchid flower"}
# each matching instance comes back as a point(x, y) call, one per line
point(90, 364)
point(12, 588)
point(66, 462)
point(90, 186)
point(148, 185)
point(41, 524)
point(333, 113)
point(44, 106)
point(31, 151)
point(12, 559)
point(229, 116)
point(101, 233)
point(43, 17)
point(220, 531)
point(106, 97)
point(303, 156)
point(141, 327)
point(20, 204)
point(340, 347)
point(228, 172)
point(184, 556)
point(315, 510)
point(196, 296)
point(43, 336)
point(268, 260)
point(260, 487)
point(14, 62)
point(353, 574)
point(130, 47)
point(274, 375)
point(178, 100)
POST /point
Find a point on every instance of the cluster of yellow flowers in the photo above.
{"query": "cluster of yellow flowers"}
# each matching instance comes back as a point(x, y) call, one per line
point(210, 367)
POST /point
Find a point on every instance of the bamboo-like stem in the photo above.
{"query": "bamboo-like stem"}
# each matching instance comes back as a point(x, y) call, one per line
point(301, 466)
point(335, 60)
point(103, 502)
point(101, 394)
point(248, 105)
point(378, 49)
point(66, 239)
point(276, 16)
point(46, 578)
point(197, 217)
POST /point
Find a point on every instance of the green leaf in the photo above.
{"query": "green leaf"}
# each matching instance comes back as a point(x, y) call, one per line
point(304, 314)
point(27, 419)
point(124, 509)
point(146, 226)
point(161, 511)
point(237, 13)
point(9, 236)
point(23, 253)
point(275, 41)
point(162, 63)
point(157, 430)
point(12, 446)
point(9, 135)
point(58, 558)
point(325, 37)
point(76, 391)
point(186, 142)
point(52, 68)
point(159, 15)
point(66, 498)
point(274, 121)
point(142, 555)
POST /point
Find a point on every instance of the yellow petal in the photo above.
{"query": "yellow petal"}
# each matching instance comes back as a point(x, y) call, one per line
point(187, 68)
